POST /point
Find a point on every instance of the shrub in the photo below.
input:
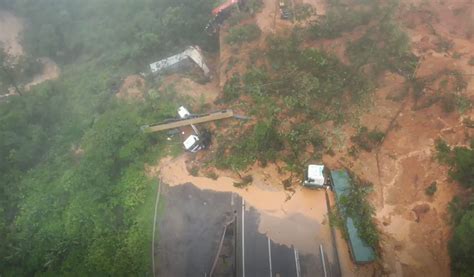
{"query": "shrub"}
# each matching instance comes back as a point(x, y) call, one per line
point(232, 88)
point(312, 81)
point(463, 166)
point(393, 54)
point(262, 143)
point(366, 139)
point(241, 34)
point(303, 11)
point(461, 246)
point(431, 189)
point(246, 180)
point(339, 19)
point(212, 175)
point(443, 151)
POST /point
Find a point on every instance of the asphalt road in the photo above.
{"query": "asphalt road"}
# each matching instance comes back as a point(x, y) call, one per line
point(189, 230)
point(261, 256)
point(191, 226)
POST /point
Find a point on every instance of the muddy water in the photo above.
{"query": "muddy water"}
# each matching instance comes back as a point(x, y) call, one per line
point(294, 219)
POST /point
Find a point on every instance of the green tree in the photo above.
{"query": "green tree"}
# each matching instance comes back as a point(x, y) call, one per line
point(461, 246)
point(463, 166)
point(8, 72)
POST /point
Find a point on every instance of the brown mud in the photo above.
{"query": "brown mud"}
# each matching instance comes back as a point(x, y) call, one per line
point(414, 227)
point(303, 211)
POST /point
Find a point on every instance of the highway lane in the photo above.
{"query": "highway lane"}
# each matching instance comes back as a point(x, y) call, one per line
point(264, 257)
point(189, 230)
point(191, 227)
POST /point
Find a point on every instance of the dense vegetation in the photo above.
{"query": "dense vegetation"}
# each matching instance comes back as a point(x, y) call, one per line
point(461, 247)
point(243, 33)
point(73, 194)
point(293, 82)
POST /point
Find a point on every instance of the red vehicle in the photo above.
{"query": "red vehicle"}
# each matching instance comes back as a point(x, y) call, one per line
point(224, 6)
point(220, 14)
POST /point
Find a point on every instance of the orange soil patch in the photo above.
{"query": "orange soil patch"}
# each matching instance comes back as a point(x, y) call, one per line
point(132, 88)
point(196, 92)
point(413, 243)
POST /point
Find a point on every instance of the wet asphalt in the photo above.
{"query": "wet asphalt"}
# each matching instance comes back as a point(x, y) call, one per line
point(191, 225)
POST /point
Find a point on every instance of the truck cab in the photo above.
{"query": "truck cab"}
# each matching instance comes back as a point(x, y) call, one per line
point(192, 144)
point(316, 176)
point(190, 134)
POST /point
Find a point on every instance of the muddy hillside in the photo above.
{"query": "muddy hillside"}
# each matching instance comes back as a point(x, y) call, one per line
point(367, 87)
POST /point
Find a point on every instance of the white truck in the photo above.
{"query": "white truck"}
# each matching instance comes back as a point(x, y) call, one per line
point(192, 142)
point(316, 176)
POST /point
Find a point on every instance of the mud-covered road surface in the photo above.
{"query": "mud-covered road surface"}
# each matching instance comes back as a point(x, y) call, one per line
point(191, 226)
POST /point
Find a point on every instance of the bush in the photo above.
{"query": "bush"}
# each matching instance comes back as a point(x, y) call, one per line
point(303, 11)
point(368, 140)
point(431, 189)
point(246, 180)
point(262, 143)
point(460, 160)
point(311, 81)
point(232, 88)
point(339, 19)
point(461, 246)
point(463, 166)
point(393, 54)
point(443, 151)
point(241, 34)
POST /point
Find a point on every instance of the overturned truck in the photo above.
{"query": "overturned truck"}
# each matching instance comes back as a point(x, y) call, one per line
point(189, 58)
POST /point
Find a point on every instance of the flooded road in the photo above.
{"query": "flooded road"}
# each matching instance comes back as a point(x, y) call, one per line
point(278, 233)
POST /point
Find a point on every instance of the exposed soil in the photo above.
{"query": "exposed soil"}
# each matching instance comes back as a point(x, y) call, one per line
point(199, 94)
point(51, 71)
point(414, 226)
point(11, 27)
point(132, 88)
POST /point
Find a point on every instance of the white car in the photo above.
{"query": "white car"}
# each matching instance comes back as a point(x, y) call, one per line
point(183, 112)
point(315, 177)
point(192, 144)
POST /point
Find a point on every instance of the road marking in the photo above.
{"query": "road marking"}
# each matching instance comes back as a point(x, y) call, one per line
point(297, 263)
point(322, 260)
point(158, 191)
point(243, 238)
point(232, 199)
point(270, 256)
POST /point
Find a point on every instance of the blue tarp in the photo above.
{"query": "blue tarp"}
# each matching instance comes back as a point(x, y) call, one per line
point(361, 252)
